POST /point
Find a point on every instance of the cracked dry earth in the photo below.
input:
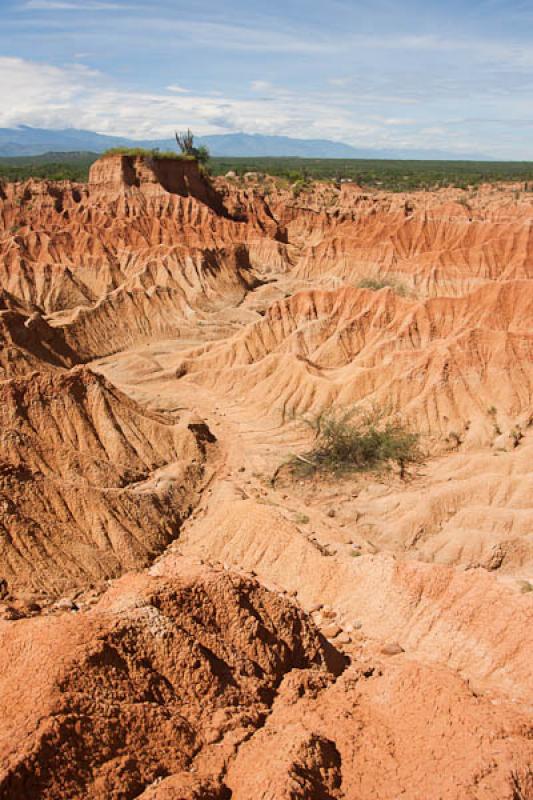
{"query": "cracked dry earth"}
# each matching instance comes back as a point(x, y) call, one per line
point(179, 618)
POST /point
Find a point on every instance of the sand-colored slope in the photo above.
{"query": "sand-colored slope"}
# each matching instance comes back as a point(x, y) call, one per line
point(438, 251)
point(159, 299)
point(442, 362)
point(464, 620)
point(472, 504)
point(64, 245)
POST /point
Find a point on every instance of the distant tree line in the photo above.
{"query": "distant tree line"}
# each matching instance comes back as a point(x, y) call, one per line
point(388, 175)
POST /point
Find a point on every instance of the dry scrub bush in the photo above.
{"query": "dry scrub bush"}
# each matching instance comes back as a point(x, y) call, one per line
point(374, 284)
point(352, 440)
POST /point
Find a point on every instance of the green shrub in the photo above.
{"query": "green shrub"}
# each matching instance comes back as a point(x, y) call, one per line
point(188, 149)
point(492, 411)
point(454, 438)
point(298, 187)
point(348, 440)
point(375, 284)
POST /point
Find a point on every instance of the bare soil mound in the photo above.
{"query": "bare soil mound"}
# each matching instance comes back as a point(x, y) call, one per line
point(199, 683)
point(91, 484)
point(162, 677)
point(465, 620)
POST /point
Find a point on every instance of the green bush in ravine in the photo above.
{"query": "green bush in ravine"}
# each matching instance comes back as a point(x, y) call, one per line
point(381, 283)
point(352, 440)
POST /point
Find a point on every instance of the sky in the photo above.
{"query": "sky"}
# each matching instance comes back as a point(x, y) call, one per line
point(455, 75)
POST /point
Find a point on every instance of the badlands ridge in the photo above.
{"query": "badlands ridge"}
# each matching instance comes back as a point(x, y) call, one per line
point(179, 617)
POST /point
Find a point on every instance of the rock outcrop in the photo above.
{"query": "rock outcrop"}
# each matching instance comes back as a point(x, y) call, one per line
point(91, 484)
point(115, 174)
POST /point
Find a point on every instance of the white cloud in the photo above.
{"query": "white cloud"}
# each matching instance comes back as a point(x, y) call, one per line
point(339, 82)
point(261, 38)
point(64, 5)
point(399, 121)
point(434, 130)
point(240, 38)
point(43, 95)
point(261, 86)
point(178, 89)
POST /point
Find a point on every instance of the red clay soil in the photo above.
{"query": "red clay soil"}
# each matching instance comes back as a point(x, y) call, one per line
point(181, 616)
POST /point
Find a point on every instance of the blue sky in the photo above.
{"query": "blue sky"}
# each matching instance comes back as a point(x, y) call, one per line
point(454, 75)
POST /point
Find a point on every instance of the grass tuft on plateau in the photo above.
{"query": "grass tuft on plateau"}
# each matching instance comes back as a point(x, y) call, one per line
point(142, 152)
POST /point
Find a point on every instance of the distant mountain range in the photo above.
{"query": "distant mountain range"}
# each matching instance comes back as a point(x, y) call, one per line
point(27, 141)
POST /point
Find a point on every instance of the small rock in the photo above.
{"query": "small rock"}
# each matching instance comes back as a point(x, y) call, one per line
point(65, 604)
point(330, 631)
point(316, 607)
point(213, 735)
point(328, 613)
point(242, 469)
point(392, 649)
point(343, 638)
point(10, 613)
point(331, 512)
